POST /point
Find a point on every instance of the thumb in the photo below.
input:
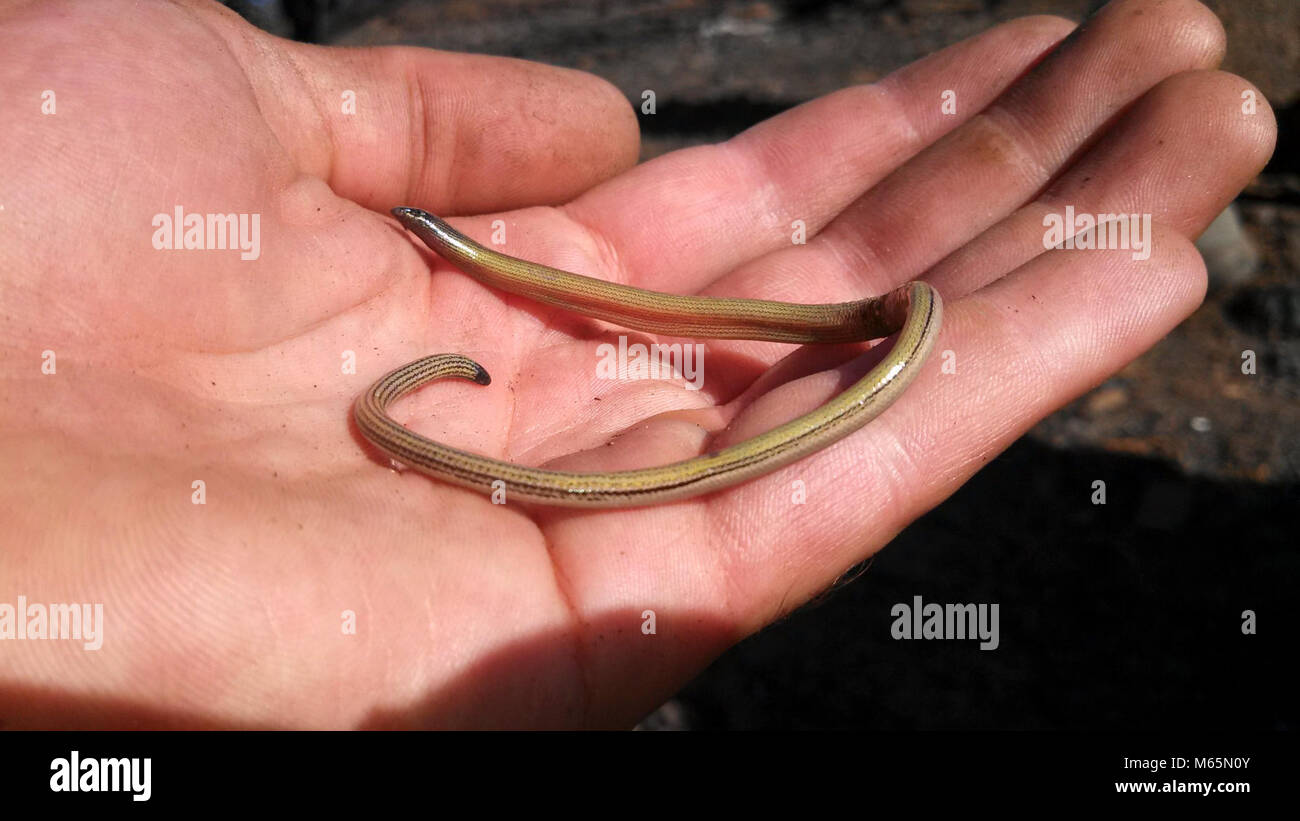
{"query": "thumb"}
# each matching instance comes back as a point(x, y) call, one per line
point(454, 133)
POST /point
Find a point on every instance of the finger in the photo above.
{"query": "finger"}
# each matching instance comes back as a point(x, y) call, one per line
point(452, 133)
point(687, 217)
point(993, 164)
point(1023, 346)
point(1156, 160)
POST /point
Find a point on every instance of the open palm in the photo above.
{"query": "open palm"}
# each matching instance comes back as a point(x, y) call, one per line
point(314, 587)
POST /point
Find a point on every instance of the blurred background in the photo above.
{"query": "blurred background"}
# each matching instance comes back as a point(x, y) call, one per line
point(1123, 616)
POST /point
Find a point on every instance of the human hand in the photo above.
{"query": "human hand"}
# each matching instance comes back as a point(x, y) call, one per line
point(176, 366)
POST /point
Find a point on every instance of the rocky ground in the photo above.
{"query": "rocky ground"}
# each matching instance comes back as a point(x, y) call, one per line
point(1115, 617)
